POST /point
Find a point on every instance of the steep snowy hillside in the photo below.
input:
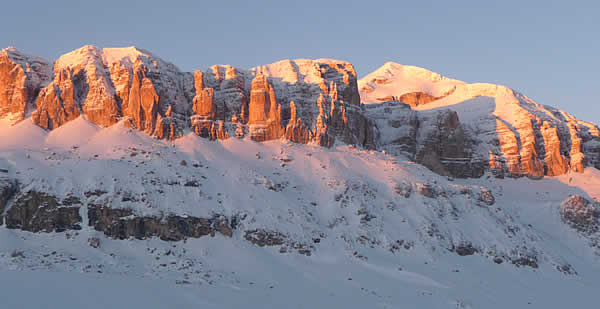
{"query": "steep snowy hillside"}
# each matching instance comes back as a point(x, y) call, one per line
point(463, 129)
point(224, 222)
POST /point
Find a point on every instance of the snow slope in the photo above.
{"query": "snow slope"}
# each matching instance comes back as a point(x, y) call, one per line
point(381, 231)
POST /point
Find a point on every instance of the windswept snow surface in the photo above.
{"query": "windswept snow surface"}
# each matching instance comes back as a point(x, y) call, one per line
point(381, 244)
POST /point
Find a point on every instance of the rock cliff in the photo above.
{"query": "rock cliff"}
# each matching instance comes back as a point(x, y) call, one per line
point(113, 84)
point(21, 77)
point(462, 130)
point(454, 128)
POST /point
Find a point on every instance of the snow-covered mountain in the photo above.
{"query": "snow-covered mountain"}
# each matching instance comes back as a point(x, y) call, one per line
point(463, 130)
point(118, 169)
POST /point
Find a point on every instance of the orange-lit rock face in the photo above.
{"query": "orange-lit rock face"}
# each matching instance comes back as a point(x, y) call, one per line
point(113, 84)
point(204, 104)
point(296, 131)
point(262, 98)
point(264, 114)
point(556, 163)
point(83, 87)
point(56, 103)
point(143, 102)
point(13, 90)
point(203, 120)
point(549, 147)
point(258, 101)
point(20, 79)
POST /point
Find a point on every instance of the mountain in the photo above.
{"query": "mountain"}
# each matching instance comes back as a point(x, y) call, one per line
point(463, 130)
point(292, 184)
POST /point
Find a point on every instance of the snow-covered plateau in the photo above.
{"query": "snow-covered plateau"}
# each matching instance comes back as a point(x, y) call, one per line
point(125, 182)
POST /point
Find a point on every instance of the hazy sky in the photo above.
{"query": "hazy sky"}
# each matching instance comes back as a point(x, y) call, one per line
point(548, 50)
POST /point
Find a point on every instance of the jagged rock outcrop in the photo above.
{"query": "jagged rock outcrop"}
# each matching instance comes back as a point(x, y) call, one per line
point(123, 224)
point(113, 84)
point(437, 140)
point(56, 103)
point(591, 151)
point(35, 211)
point(397, 126)
point(498, 129)
point(493, 128)
point(203, 120)
point(446, 149)
point(296, 131)
point(81, 86)
point(142, 107)
point(264, 114)
point(21, 77)
point(7, 190)
point(580, 214)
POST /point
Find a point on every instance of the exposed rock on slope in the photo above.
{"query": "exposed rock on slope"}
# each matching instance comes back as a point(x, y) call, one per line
point(493, 128)
point(7, 190)
point(41, 212)
point(21, 78)
point(258, 101)
point(123, 224)
point(580, 214)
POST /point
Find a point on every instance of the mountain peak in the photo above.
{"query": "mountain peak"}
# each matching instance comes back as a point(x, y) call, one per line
point(130, 53)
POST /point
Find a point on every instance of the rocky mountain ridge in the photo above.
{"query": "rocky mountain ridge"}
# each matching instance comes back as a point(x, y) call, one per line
point(464, 130)
point(126, 168)
point(113, 84)
point(454, 128)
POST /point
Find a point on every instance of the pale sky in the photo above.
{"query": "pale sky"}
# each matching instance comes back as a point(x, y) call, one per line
point(547, 50)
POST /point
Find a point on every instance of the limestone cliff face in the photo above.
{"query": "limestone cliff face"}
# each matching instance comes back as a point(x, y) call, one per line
point(527, 144)
point(462, 130)
point(264, 114)
point(142, 108)
point(81, 85)
point(109, 85)
point(454, 128)
point(296, 131)
point(21, 78)
point(132, 85)
point(203, 120)
point(540, 140)
point(326, 98)
point(56, 103)
point(446, 148)
point(258, 102)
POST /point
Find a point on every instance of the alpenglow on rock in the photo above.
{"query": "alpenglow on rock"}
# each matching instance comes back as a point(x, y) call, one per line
point(462, 130)
point(451, 127)
point(21, 77)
